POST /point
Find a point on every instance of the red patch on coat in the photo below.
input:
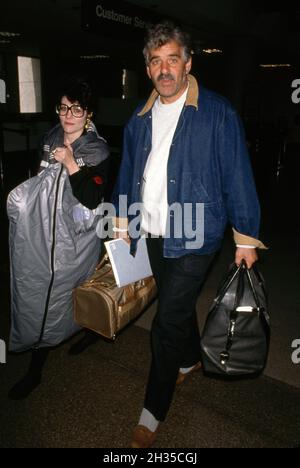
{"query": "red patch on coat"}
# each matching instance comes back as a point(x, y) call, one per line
point(98, 180)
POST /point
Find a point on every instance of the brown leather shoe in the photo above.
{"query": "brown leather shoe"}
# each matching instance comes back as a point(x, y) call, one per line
point(181, 377)
point(142, 437)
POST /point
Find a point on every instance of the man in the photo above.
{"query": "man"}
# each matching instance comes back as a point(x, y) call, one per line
point(184, 146)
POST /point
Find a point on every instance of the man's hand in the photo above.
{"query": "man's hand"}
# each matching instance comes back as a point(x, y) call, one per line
point(249, 255)
point(122, 235)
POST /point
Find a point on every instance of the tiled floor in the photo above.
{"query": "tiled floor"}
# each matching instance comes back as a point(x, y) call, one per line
point(94, 399)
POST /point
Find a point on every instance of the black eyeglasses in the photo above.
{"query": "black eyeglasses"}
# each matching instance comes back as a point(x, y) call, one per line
point(76, 110)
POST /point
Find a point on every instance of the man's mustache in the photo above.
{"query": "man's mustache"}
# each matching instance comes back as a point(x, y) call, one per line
point(165, 76)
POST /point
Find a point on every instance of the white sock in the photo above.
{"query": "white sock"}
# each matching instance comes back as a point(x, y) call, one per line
point(185, 370)
point(148, 420)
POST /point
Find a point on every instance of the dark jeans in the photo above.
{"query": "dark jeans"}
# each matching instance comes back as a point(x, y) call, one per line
point(175, 337)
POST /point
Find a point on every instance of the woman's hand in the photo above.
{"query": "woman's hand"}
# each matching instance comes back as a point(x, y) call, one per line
point(65, 156)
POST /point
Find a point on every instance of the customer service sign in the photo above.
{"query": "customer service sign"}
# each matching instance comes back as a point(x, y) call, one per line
point(113, 17)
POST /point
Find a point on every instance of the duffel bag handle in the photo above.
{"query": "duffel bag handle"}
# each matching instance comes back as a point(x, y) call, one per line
point(231, 277)
point(260, 281)
point(104, 261)
point(240, 271)
point(260, 307)
point(241, 282)
point(235, 270)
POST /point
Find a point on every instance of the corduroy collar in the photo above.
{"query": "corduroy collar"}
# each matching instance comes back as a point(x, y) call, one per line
point(191, 99)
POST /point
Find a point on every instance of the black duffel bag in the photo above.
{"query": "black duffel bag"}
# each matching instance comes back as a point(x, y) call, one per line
point(235, 338)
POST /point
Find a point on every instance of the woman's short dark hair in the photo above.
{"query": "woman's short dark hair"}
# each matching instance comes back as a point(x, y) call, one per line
point(77, 89)
point(162, 33)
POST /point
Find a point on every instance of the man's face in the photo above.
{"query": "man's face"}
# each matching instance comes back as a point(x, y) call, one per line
point(168, 71)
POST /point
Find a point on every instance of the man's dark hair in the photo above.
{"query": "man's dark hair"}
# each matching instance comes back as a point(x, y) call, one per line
point(162, 33)
point(77, 89)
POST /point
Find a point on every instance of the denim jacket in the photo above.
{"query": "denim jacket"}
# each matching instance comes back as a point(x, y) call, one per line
point(208, 164)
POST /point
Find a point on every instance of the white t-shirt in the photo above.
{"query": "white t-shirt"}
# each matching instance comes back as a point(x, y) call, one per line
point(154, 191)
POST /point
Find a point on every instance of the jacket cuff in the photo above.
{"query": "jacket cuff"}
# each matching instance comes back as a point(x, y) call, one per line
point(241, 239)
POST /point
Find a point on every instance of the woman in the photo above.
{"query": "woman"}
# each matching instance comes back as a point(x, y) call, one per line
point(53, 241)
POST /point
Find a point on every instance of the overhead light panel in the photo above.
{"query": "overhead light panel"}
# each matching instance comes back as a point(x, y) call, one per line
point(9, 34)
point(275, 65)
point(94, 57)
point(212, 51)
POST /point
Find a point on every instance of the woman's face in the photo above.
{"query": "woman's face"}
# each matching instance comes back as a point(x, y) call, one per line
point(72, 118)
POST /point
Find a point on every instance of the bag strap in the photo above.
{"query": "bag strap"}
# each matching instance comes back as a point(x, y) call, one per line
point(240, 284)
point(255, 296)
point(241, 281)
point(231, 277)
point(260, 279)
point(224, 355)
point(105, 260)
point(260, 308)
